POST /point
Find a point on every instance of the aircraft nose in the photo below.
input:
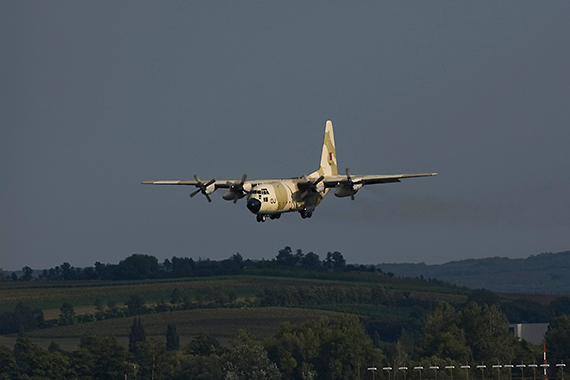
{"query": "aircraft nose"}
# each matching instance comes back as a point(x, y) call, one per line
point(253, 205)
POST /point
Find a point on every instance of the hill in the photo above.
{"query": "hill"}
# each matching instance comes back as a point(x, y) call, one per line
point(546, 273)
point(254, 302)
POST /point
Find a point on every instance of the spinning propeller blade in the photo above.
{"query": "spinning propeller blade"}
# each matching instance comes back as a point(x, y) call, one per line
point(202, 188)
point(312, 186)
point(237, 188)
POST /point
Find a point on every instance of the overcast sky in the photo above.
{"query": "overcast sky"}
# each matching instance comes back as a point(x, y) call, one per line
point(96, 97)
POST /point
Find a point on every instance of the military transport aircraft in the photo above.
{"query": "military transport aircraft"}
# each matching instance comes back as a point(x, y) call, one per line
point(273, 197)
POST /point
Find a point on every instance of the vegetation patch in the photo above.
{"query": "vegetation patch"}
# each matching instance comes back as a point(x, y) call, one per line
point(224, 322)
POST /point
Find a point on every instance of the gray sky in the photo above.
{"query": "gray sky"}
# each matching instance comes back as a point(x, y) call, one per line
point(98, 96)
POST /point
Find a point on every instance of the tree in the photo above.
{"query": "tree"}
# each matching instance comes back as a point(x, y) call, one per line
point(111, 304)
point(323, 349)
point(334, 260)
point(67, 272)
point(35, 362)
point(28, 274)
point(349, 347)
point(176, 296)
point(487, 333)
point(67, 314)
point(137, 335)
point(104, 271)
point(311, 260)
point(83, 363)
point(203, 345)
point(187, 366)
point(560, 306)
point(54, 347)
point(238, 259)
point(172, 338)
point(248, 362)
point(99, 305)
point(101, 357)
point(183, 266)
point(442, 337)
point(138, 266)
point(135, 305)
point(287, 258)
point(22, 319)
point(558, 339)
point(8, 366)
point(8, 324)
point(88, 273)
point(167, 266)
point(151, 357)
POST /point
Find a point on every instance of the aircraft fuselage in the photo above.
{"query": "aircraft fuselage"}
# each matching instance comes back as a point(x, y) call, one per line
point(274, 197)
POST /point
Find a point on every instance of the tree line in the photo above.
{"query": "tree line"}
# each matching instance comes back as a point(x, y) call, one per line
point(142, 266)
point(318, 349)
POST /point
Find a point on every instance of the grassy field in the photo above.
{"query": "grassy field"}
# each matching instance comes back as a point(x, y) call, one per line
point(218, 322)
point(51, 295)
point(221, 323)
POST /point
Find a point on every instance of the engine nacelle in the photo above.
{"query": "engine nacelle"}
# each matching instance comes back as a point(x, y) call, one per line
point(231, 195)
point(342, 192)
point(347, 191)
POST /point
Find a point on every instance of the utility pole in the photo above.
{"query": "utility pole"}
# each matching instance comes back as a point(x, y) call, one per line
point(544, 356)
point(466, 368)
point(373, 369)
point(482, 368)
point(498, 367)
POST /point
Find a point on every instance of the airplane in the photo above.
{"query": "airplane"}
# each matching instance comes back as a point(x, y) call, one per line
point(273, 197)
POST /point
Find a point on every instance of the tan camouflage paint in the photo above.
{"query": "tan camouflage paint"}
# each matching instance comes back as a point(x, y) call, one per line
point(328, 155)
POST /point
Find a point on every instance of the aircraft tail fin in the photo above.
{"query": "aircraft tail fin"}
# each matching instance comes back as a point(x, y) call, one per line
point(328, 164)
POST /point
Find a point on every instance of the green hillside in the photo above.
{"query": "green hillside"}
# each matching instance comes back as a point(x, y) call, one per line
point(265, 300)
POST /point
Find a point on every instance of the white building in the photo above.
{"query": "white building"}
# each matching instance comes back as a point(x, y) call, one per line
point(531, 332)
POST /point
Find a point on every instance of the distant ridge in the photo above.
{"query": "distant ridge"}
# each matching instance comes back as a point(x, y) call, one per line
point(546, 273)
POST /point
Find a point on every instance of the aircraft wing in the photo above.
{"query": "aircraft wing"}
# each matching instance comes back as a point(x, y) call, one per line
point(219, 183)
point(339, 180)
point(213, 183)
point(236, 189)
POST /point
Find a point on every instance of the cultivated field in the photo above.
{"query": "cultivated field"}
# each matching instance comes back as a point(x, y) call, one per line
point(220, 322)
point(51, 295)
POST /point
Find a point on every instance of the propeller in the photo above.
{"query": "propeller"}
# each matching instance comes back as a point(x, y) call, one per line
point(202, 188)
point(236, 190)
point(312, 186)
point(349, 183)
